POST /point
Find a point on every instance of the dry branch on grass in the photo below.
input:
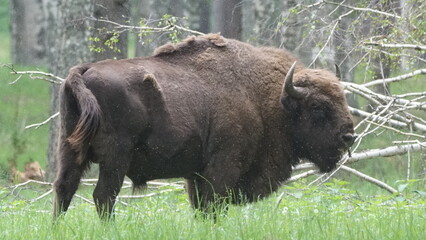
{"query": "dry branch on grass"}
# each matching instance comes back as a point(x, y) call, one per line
point(157, 186)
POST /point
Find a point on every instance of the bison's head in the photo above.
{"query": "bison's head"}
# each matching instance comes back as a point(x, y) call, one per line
point(321, 124)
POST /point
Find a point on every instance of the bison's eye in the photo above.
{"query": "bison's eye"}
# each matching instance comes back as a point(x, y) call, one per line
point(319, 110)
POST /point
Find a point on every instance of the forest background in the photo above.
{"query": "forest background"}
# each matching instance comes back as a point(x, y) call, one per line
point(379, 46)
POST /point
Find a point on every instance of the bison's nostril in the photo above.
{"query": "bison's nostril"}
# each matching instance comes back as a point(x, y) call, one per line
point(349, 139)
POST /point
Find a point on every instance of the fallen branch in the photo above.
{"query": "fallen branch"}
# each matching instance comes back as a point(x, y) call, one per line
point(374, 153)
point(85, 199)
point(387, 152)
point(146, 195)
point(397, 131)
point(392, 122)
point(397, 99)
point(395, 79)
point(302, 175)
point(370, 179)
point(345, 168)
point(42, 196)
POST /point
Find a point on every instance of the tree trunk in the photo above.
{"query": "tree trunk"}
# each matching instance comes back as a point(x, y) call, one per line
point(204, 13)
point(143, 11)
point(228, 16)
point(69, 36)
point(151, 11)
point(115, 11)
point(27, 32)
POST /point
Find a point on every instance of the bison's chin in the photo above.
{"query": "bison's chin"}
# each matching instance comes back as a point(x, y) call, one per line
point(327, 164)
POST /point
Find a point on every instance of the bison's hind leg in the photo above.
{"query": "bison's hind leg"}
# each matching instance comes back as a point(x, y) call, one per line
point(112, 170)
point(68, 178)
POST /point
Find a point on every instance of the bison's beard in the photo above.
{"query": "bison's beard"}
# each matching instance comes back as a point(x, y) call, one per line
point(327, 164)
point(325, 159)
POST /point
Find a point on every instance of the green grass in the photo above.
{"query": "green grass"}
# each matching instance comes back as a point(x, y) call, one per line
point(328, 212)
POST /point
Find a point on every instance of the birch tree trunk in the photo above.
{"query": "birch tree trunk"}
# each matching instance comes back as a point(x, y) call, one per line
point(115, 11)
point(143, 11)
point(27, 32)
point(204, 8)
point(228, 16)
point(69, 36)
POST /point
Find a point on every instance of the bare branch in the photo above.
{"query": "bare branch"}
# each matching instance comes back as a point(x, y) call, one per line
point(37, 125)
point(364, 9)
point(397, 45)
point(326, 43)
point(49, 77)
point(169, 28)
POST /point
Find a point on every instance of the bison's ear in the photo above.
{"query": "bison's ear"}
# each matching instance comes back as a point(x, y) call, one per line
point(338, 75)
point(150, 83)
point(152, 92)
point(289, 104)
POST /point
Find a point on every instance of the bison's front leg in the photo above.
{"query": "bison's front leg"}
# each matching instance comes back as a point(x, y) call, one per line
point(217, 183)
point(111, 177)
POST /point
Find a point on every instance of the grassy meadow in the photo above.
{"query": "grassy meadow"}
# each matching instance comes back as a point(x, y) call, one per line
point(347, 208)
point(327, 212)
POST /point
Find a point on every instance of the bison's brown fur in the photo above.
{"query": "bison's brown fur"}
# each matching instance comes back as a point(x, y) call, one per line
point(209, 109)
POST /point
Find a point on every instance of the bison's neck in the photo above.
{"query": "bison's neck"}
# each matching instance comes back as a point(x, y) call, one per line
point(278, 140)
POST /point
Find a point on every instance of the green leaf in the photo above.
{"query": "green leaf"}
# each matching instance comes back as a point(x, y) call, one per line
point(421, 193)
point(298, 195)
point(401, 187)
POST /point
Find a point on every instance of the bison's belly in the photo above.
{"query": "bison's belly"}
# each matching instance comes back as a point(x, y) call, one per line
point(155, 162)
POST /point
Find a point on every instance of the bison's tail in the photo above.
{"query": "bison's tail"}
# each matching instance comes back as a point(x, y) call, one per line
point(79, 103)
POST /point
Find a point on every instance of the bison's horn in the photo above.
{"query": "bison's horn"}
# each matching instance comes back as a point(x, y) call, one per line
point(338, 72)
point(289, 88)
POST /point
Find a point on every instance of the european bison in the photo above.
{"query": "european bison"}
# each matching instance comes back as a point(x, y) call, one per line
point(230, 118)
